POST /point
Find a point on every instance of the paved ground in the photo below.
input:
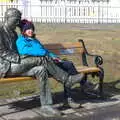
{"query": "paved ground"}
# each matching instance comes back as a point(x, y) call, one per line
point(27, 108)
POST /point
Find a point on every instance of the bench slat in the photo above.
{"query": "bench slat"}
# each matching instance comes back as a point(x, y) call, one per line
point(15, 79)
point(86, 69)
point(63, 46)
point(66, 48)
point(67, 51)
point(83, 69)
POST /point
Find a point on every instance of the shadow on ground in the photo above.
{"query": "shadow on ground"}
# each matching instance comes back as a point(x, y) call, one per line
point(33, 102)
point(112, 88)
point(108, 88)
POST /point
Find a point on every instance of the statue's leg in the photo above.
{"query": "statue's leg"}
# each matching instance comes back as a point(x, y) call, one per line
point(58, 73)
point(67, 80)
point(25, 65)
point(28, 67)
point(63, 76)
point(45, 92)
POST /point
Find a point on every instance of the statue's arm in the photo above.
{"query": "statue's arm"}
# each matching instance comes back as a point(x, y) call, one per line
point(7, 54)
point(10, 56)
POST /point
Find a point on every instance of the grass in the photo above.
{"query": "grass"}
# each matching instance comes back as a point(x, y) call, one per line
point(103, 40)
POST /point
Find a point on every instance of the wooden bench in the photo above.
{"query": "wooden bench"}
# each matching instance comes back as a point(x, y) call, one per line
point(77, 52)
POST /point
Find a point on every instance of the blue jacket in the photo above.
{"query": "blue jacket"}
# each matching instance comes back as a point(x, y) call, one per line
point(31, 46)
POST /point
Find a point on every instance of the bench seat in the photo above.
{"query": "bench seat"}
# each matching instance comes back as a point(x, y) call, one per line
point(86, 69)
point(83, 69)
point(15, 79)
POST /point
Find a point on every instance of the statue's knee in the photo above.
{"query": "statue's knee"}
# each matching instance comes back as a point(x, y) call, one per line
point(41, 68)
point(40, 71)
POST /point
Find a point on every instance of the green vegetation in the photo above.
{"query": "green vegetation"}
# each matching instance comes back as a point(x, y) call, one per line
point(103, 40)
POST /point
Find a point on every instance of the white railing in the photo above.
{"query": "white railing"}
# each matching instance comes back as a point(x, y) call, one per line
point(65, 11)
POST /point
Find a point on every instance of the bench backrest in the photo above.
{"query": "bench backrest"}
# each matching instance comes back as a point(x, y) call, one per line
point(66, 48)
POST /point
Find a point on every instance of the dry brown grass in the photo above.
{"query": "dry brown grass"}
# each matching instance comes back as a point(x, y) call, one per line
point(103, 40)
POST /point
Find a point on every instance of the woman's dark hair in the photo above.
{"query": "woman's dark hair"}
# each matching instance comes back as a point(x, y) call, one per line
point(25, 24)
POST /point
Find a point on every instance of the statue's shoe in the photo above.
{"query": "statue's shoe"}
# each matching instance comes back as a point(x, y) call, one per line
point(49, 111)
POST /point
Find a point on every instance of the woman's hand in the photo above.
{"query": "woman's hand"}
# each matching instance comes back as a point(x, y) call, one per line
point(57, 60)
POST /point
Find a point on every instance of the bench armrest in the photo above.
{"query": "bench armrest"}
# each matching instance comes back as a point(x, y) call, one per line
point(97, 59)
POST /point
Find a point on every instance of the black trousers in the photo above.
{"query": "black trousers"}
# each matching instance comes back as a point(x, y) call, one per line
point(68, 66)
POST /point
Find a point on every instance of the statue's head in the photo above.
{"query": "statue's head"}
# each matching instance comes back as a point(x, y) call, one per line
point(12, 17)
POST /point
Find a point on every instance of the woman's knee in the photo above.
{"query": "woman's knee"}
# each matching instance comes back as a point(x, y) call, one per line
point(68, 64)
